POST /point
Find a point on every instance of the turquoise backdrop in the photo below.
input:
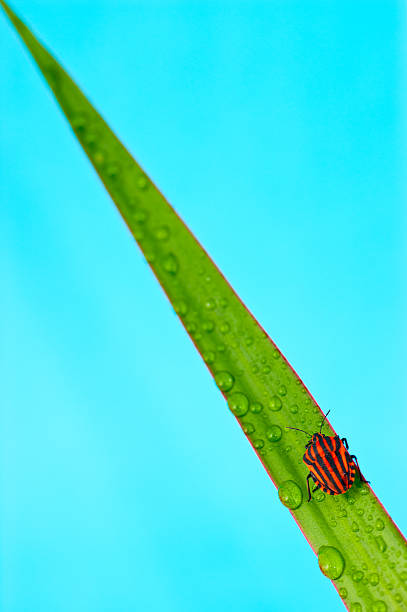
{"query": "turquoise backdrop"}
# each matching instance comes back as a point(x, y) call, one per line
point(277, 131)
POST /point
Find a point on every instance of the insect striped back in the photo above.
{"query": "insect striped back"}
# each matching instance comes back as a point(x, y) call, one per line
point(330, 465)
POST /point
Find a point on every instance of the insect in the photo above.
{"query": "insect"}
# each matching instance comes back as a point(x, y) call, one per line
point(330, 465)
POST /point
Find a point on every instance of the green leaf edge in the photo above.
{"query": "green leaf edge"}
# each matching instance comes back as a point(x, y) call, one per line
point(373, 548)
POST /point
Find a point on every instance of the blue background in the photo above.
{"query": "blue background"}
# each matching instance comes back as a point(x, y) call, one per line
point(277, 131)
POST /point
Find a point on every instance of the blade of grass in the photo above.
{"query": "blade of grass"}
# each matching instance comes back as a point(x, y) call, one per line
point(359, 546)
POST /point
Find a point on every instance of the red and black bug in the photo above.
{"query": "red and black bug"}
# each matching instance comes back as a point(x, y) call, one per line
point(330, 465)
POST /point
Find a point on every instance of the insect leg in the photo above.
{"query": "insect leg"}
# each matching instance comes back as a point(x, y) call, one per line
point(317, 486)
point(309, 490)
point(344, 440)
point(362, 479)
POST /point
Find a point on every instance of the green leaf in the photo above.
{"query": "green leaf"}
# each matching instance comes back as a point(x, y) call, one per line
point(359, 546)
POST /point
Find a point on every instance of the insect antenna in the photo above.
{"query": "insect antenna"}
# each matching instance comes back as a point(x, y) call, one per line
point(306, 432)
point(324, 420)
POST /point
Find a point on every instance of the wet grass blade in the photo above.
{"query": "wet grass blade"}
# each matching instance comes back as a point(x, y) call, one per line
point(359, 546)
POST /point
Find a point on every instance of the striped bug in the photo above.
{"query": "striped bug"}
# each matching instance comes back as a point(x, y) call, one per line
point(330, 465)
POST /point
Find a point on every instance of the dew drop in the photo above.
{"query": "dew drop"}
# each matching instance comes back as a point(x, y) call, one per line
point(209, 357)
point(170, 264)
point(99, 158)
point(256, 407)
point(224, 328)
point(276, 354)
point(403, 575)
point(374, 579)
point(140, 216)
point(380, 543)
point(142, 183)
point(258, 443)
point(343, 593)
point(282, 390)
point(274, 433)
point(290, 494)
point(379, 525)
point(266, 369)
point(79, 123)
point(275, 403)
point(342, 513)
point(112, 171)
point(221, 348)
point(379, 606)
point(224, 380)
point(319, 495)
point(223, 302)
point(398, 598)
point(208, 326)
point(90, 139)
point(294, 409)
point(210, 304)
point(181, 308)
point(249, 341)
point(162, 233)
point(191, 327)
point(238, 404)
point(249, 428)
point(150, 256)
point(355, 526)
point(138, 233)
point(331, 562)
point(355, 607)
point(357, 576)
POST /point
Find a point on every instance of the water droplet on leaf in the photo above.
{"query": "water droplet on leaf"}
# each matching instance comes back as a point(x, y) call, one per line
point(210, 304)
point(181, 308)
point(256, 407)
point(224, 380)
point(380, 543)
point(238, 404)
point(142, 183)
point(99, 158)
point(319, 495)
point(357, 576)
point(274, 433)
point(112, 171)
point(208, 326)
point(331, 562)
point(139, 216)
point(379, 606)
point(170, 264)
point(79, 123)
point(209, 357)
point(374, 579)
point(249, 428)
point(162, 233)
point(275, 403)
point(290, 494)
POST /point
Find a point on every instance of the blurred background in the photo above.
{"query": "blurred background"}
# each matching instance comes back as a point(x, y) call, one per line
point(277, 131)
